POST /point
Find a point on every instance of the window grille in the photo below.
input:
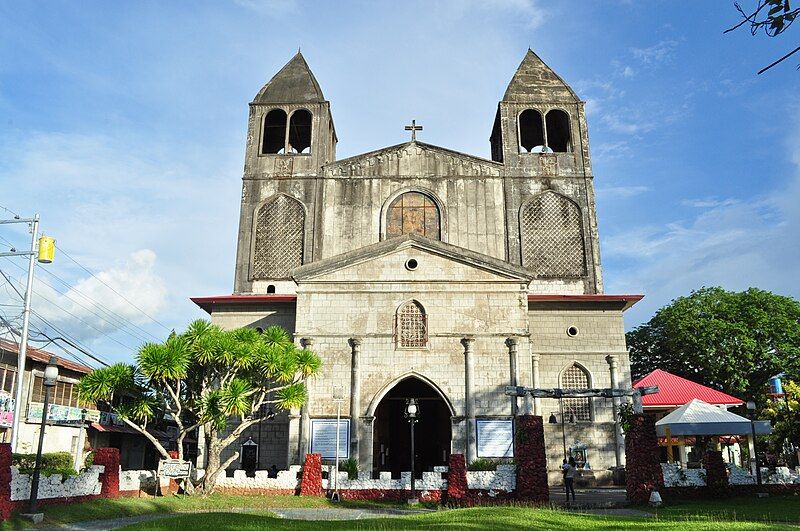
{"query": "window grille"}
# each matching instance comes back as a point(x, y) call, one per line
point(413, 213)
point(552, 237)
point(279, 238)
point(63, 394)
point(412, 325)
point(575, 377)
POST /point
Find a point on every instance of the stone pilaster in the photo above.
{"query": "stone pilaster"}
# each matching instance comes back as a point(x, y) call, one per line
point(355, 396)
point(469, 396)
point(537, 404)
point(511, 343)
point(305, 421)
point(612, 367)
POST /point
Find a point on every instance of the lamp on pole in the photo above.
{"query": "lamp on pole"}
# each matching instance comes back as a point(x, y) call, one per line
point(338, 398)
point(50, 378)
point(412, 414)
point(751, 407)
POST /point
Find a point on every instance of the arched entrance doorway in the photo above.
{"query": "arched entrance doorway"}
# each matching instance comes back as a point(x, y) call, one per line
point(392, 434)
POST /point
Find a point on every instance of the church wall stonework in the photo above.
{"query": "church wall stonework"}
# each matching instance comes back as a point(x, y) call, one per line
point(482, 332)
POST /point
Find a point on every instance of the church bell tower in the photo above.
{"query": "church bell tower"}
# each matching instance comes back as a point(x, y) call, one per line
point(290, 137)
point(540, 136)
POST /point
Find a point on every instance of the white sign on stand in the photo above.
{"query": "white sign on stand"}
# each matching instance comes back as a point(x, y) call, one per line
point(495, 438)
point(323, 438)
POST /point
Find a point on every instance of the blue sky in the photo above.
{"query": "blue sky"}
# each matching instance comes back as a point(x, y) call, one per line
point(123, 125)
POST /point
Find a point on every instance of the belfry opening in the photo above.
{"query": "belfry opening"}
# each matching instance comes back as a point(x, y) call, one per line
point(392, 433)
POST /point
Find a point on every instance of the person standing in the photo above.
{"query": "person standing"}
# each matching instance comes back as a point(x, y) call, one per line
point(570, 471)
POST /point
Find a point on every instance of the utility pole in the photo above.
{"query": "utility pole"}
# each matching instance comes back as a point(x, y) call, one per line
point(26, 314)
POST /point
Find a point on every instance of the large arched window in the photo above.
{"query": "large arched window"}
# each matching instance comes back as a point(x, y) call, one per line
point(411, 325)
point(552, 236)
point(274, 138)
point(413, 213)
point(300, 132)
point(578, 409)
point(531, 131)
point(278, 244)
point(558, 137)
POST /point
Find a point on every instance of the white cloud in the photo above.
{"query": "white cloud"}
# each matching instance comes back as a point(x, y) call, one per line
point(134, 278)
point(620, 192)
point(658, 53)
point(732, 243)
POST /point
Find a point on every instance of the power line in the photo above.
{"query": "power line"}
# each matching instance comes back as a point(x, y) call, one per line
point(121, 321)
point(68, 312)
point(16, 216)
point(123, 297)
point(73, 342)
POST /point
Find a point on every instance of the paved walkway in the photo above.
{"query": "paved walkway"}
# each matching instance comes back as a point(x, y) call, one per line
point(601, 497)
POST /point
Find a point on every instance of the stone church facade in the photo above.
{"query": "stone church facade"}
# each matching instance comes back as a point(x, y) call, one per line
point(416, 271)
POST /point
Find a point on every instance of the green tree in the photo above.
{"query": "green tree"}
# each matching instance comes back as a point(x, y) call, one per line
point(785, 416)
point(773, 17)
point(208, 378)
point(733, 341)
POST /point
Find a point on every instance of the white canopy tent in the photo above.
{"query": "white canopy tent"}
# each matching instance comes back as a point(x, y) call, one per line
point(700, 418)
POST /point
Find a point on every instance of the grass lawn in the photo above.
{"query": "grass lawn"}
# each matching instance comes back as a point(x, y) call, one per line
point(121, 507)
point(218, 512)
point(774, 509)
point(511, 518)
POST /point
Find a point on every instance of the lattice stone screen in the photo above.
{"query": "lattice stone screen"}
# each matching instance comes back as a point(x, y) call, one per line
point(412, 330)
point(552, 238)
point(576, 378)
point(279, 238)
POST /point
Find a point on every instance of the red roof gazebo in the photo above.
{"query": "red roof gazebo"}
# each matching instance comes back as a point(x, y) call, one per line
point(674, 391)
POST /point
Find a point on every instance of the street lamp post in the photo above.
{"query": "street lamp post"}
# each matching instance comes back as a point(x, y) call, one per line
point(412, 414)
point(338, 398)
point(50, 377)
point(751, 407)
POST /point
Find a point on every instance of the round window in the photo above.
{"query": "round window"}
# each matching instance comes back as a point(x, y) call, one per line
point(411, 264)
point(572, 331)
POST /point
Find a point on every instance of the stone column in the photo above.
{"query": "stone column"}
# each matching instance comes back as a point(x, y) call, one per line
point(355, 396)
point(537, 404)
point(294, 456)
point(618, 444)
point(511, 343)
point(469, 396)
point(305, 421)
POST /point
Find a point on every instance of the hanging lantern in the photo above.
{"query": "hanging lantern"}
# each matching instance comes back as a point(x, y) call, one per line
point(47, 249)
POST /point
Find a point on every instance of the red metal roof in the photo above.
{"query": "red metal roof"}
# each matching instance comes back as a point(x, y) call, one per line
point(206, 303)
point(44, 357)
point(628, 300)
point(676, 391)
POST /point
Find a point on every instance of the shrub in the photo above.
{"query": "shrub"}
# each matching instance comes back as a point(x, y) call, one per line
point(351, 467)
point(88, 462)
point(481, 464)
point(52, 463)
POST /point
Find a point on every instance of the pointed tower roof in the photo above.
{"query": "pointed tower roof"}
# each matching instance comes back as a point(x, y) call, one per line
point(294, 83)
point(535, 81)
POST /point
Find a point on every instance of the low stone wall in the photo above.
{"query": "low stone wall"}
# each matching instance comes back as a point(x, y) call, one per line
point(503, 479)
point(430, 481)
point(287, 481)
point(675, 476)
point(57, 486)
point(136, 480)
